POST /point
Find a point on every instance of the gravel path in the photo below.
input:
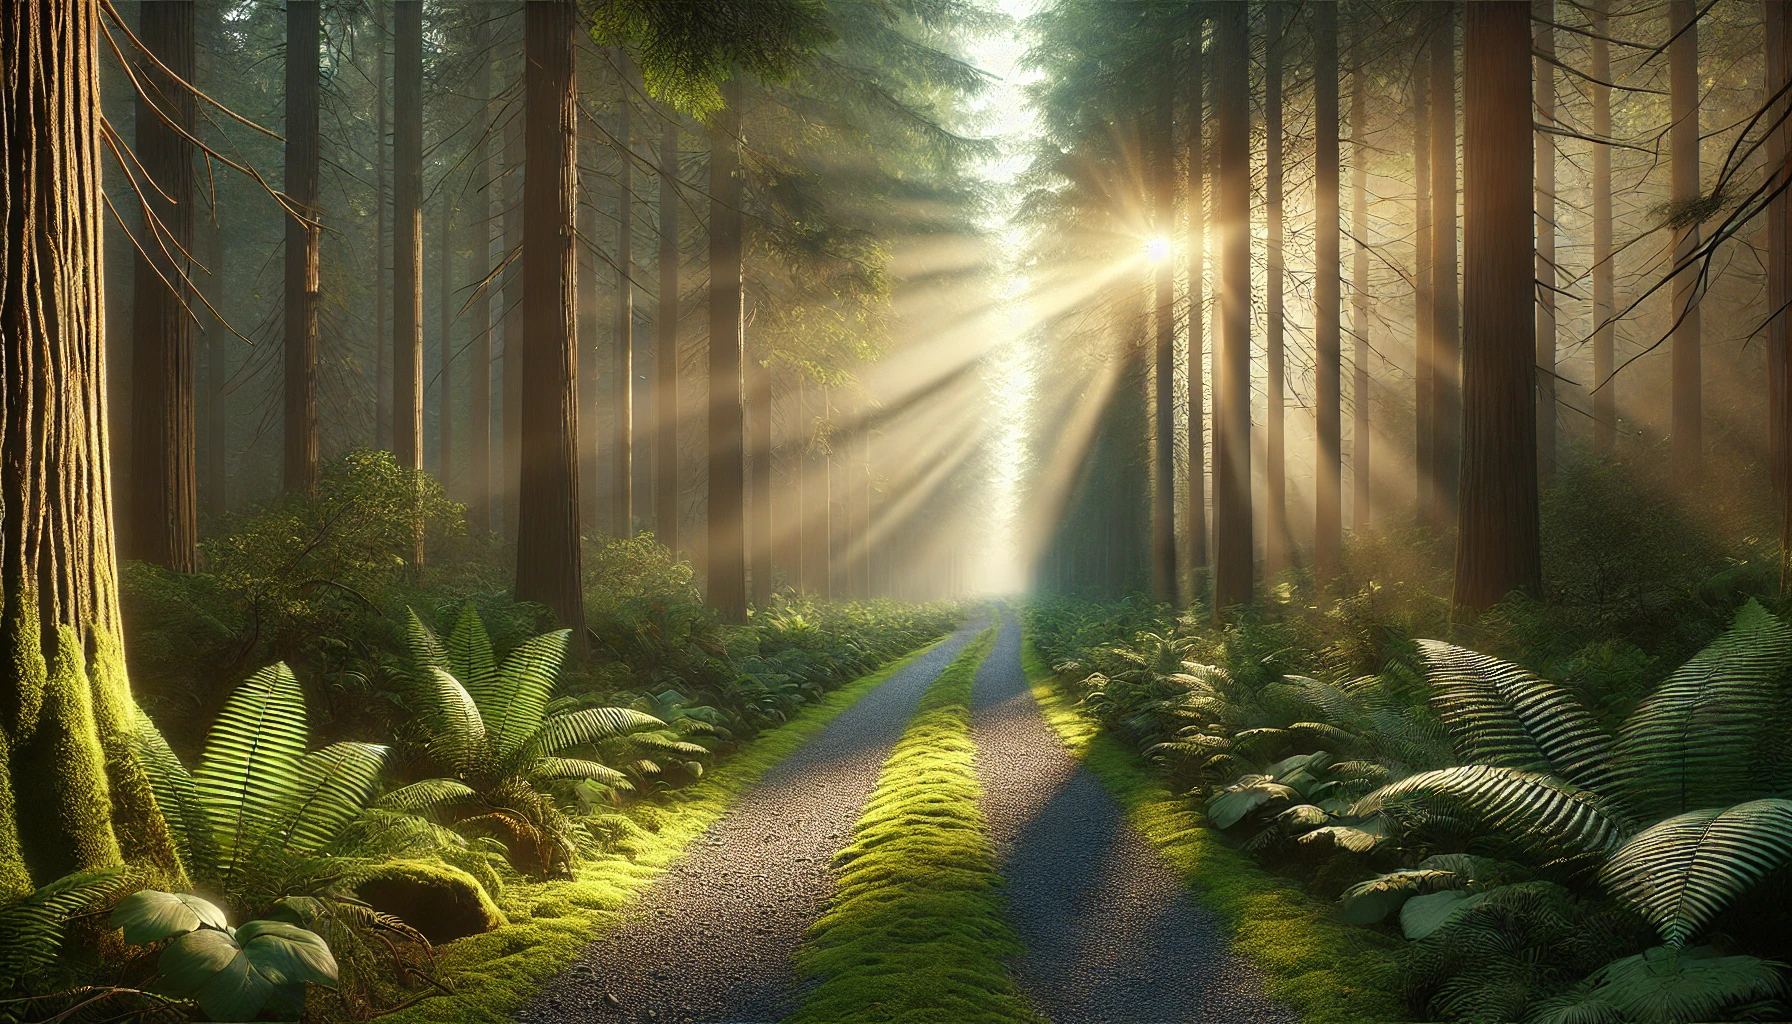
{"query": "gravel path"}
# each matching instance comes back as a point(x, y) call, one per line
point(712, 941)
point(1111, 935)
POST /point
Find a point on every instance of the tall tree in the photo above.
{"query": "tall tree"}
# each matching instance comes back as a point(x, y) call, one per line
point(445, 378)
point(1683, 86)
point(759, 411)
point(622, 488)
point(665, 357)
point(300, 447)
point(1275, 540)
point(407, 241)
point(726, 557)
point(217, 371)
point(382, 384)
point(1327, 499)
point(1424, 314)
point(1163, 205)
point(477, 489)
point(549, 559)
point(163, 522)
point(1233, 548)
point(1605, 400)
point(1779, 276)
point(1497, 550)
point(1360, 444)
point(72, 796)
point(1446, 336)
point(1544, 85)
point(1195, 118)
point(511, 295)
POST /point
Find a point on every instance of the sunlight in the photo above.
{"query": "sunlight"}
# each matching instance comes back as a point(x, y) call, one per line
point(1157, 249)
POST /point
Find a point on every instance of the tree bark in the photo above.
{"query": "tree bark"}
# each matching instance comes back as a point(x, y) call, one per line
point(759, 407)
point(1196, 203)
point(445, 385)
point(407, 241)
point(217, 373)
point(1544, 85)
point(1497, 539)
point(1683, 85)
point(1275, 520)
point(1327, 500)
point(821, 447)
point(1233, 548)
point(1446, 345)
point(1605, 394)
point(72, 796)
point(727, 555)
point(382, 383)
point(477, 488)
point(163, 522)
point(1361, 445)
point(549, 559)
point(1163, 270)
point(512, 297)
point(596, 357)
point(665, 359)
point(300, 446)
point(622, 491)
point(1424, 317)
point(1779, 279)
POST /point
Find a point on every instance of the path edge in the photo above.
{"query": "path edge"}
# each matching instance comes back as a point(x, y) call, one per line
point(1326, 971)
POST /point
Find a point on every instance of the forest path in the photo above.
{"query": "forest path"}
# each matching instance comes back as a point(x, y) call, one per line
point(712, 942)
point(1110, 932)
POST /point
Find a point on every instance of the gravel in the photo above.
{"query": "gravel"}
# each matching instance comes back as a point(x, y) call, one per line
point(1111, 934)
point(712, 941)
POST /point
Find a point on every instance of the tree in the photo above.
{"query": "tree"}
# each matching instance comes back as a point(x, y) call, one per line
point(1233, 549)
point(72, 798)
point(300, 447)
point(511, 295)
point(1424, 313)
point(1361, 482)
point(1544, 85)
point(478, 486)
point(162, 526)
point(1328, 526)
point(665, 357)
point(1605, 394)
point(549, 559)
point(759, 409)
point(1779, 277)
point(1497, 547)
point(622, 489)
point(382, 383)
point(445, 377)
point(1163, 200)
point(727, 473)
point(1275, 540)
point(1446, 347)
point(1196, 120)
point(1683, 86)
point(407, 241)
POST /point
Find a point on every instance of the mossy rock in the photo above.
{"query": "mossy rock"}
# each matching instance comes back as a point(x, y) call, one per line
point(441, 901)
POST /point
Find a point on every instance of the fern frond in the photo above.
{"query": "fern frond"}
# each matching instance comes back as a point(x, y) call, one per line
point(525, 685)
point(425, 647)
point(1666, 986)
point(559, 769)
point(1529, 809)
point(177, 795)
point(469, 656)
point(428, 795)
point(1503, 715)
point(1683, 872)
point(251, 761)
point(458, 729)
point(588, 726)
point(1695, 741)
point(332, 788)
point(667, 744)
point(31, 928)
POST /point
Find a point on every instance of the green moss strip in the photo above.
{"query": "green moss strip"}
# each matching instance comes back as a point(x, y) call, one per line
point(916, 933)
point(1328, 972)
point(497, 973)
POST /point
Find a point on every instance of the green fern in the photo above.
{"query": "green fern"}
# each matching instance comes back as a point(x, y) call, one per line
point(31, 929)
point(1683, 872)
point(251, 762)
point(1667, 985)
point(1532, 811)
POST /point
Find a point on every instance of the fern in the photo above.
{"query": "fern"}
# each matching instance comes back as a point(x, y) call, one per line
point(526, 684)
point(251, 760)
point(177, 795)
point(1683, 872)
point(468, 656)
point(560, 732)
point(1666, 985)
point(1695, 741)
point(1533, 811)
point(334, 784)
point(31, 928)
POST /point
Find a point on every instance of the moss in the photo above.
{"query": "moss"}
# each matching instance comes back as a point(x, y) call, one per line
point(1327, 971)
point(59, 773)
point(915, 932)
point(440, 900)
point(497, 973)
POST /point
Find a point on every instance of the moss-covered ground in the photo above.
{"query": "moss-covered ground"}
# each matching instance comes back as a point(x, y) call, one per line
point(915, 934)
point(497, 973)
point(1327, 971)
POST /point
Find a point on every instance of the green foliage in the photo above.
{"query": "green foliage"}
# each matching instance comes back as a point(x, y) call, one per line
point(915, 931)
point(1666, 986)
point(32, 928)
point(1686, 870)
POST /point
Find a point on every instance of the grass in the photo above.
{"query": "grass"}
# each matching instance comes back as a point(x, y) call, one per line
point(915, 934)
point(497, 973)
point(1327, 971)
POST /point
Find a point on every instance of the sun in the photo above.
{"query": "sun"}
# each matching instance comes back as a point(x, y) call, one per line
point(1158, 249)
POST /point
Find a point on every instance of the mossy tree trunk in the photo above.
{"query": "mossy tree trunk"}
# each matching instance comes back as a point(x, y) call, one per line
point(71, 796)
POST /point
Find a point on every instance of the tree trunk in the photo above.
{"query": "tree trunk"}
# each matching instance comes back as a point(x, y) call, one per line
point(1233, 549)
point(163, 525)
point(759, 407)
point(1497, 539)
point(665, 359)
point(445, 385)
point(1361, 476)
point(727, 565)
point(595, 350)
point(1605, 394)
point(1683, 84)
point(1197, 273)
point(512, 297)
point(1779, 279)
point(477, 489)
point(1446, 347)
point(1163, 272)
point(801, 529)
point(1424, 316)
point(1328, 525)
point(72, 797)
point(622, 491)
point(1544, 84)
point(300, 447)
point(382, 382)
point(407, 241)
point(549, 560)
point(1275, 517)
point(822, 443)
point(217, 374)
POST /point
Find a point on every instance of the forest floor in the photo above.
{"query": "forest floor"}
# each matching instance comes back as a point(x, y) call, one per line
point(1107, 930)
